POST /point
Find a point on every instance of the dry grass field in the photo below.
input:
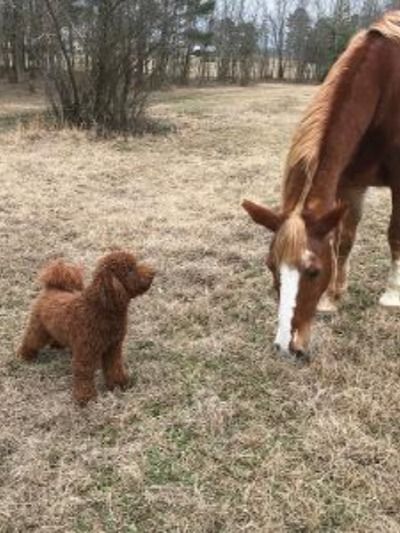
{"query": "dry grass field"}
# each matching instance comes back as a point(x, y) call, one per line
point(216, 433)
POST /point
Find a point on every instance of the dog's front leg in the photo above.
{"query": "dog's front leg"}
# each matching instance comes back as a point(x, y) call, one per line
point(83, 369)
point(114, 372)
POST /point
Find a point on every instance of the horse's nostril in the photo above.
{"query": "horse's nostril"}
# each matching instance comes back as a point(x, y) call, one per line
point(302, 356)
point(277, 346)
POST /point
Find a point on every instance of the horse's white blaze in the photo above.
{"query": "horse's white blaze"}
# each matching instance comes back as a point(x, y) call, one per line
point(391, 297)
point(289, 278)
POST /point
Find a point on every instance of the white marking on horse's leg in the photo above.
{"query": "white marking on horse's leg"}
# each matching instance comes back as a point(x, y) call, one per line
point(391, 296)
point(327, 303)
point(342, 276)
point(289, 277)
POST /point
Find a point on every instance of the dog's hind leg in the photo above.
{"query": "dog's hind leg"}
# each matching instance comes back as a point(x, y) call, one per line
point(114, 372)
point(35, 338)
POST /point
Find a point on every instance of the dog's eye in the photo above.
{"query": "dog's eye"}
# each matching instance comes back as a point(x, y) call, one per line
point(131, 269)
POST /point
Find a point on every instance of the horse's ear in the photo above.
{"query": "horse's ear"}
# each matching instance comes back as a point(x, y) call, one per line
point(262, 215)
point(328, 222)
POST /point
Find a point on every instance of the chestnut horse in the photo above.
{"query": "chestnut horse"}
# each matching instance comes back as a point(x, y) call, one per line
point(348, 140)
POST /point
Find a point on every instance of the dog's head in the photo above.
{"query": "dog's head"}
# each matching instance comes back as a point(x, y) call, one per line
point(121, 277)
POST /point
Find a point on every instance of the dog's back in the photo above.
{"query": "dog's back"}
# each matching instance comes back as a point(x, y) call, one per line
point(62, 285)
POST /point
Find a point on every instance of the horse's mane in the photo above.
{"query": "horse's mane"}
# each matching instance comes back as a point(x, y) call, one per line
point(305, 152)
point(290, 241)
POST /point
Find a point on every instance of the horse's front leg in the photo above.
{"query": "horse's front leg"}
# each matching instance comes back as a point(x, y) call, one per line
point(342, 245)
point(391, 296)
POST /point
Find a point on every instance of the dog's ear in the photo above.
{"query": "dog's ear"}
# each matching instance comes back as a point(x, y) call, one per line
point(119, 290)
point(112, 292)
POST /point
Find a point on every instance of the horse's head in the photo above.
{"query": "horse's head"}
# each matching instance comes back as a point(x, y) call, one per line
point(301, 259)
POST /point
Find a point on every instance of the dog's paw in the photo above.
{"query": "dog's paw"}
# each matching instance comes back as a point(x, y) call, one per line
point(26, 355)
point(83, 395)
point(121, 381)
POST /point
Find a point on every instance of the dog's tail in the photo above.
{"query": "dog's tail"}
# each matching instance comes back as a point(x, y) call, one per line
point(62, 276)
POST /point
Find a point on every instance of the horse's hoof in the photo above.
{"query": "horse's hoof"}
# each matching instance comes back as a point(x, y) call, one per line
point(326, 305)
point(390, 298)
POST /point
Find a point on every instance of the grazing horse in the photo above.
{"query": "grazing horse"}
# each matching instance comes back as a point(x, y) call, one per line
point(347, 141)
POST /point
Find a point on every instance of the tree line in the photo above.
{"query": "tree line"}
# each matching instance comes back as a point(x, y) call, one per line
point(101, 58)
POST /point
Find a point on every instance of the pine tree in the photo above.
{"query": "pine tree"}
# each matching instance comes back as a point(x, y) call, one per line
point(370, 11)
point(342, 24)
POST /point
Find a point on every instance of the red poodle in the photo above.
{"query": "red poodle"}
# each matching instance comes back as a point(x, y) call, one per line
point(91, 321)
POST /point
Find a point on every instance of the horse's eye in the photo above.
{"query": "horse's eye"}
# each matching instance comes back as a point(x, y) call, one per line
point(312, 272)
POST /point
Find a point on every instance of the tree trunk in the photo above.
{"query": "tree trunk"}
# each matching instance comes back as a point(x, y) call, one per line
point(17, 44)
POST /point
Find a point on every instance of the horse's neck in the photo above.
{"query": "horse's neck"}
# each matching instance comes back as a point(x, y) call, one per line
point(317, 194)
point(351, 108)
point(323, 193)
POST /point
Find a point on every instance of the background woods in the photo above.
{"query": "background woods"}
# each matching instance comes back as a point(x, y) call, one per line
point(100, 58)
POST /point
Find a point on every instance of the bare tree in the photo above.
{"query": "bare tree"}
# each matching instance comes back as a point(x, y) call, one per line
point(264, 36)
point(13, 39)
point(278, 17)
point(106, 55)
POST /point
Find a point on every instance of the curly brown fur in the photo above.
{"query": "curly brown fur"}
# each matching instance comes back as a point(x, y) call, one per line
point(91, 321)
point(60, 275)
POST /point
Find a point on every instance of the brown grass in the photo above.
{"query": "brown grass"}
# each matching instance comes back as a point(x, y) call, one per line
point(217, 434)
